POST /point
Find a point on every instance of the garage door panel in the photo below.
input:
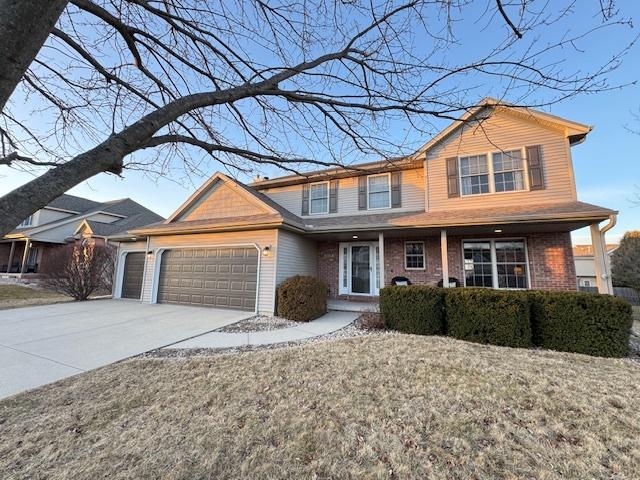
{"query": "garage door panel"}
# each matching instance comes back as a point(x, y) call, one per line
point(217, 277)
point(133, 275)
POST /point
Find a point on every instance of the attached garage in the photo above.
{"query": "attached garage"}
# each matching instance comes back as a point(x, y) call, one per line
point(133, 275)
point(224, 277)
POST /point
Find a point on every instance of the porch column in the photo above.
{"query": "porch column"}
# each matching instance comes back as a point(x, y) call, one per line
point(603, 276)
point(12, 252)
point(381, 266)
point(25, 256)
point(444, 250)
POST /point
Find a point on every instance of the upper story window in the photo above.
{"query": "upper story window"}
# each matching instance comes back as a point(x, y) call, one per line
point(379, 191)
point(508, 171)
point(319, 198)
point(26, 222)
point(474, 175)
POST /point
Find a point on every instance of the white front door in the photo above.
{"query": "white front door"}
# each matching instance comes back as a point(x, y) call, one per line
point(359, 268)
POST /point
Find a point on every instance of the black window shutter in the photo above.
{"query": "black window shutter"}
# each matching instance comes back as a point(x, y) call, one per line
point(453, 182)
point(396, 193)
point(305, 200)
point(536, 170)
point(362, 193)
point(333, 196)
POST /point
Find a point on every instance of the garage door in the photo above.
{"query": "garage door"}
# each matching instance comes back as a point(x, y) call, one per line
point(133, 273)
point(212, 277)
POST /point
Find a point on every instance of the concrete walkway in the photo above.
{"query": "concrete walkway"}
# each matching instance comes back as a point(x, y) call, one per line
point(328, 323)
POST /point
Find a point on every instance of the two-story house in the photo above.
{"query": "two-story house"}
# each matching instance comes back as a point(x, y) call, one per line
point(66, 219)
point(489, 202)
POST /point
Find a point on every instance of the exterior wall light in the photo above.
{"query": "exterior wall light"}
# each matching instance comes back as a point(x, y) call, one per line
point(266, 251)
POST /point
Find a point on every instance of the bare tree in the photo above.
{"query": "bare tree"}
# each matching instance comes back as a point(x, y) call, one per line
point(255, 82)
point(79, 270)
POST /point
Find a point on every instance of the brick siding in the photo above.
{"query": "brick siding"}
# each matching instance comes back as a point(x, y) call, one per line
point(551, 262)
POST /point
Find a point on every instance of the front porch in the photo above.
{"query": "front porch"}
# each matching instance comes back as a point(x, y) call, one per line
point(342, 305)
point(357, 264)
point(21, 258)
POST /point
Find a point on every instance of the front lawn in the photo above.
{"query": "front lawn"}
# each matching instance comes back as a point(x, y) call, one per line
point(21, 296)
point(374, 407)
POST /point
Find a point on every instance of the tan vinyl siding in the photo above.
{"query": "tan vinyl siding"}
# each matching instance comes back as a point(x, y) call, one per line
point(296, 255)
point(222, 200)
point(262, 238)
point(412, 192)
point(507, 132)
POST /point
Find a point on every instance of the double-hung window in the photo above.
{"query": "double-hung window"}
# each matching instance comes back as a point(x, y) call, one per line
point(474, 174)
point(508, 171)
point(495, 263)
point(379, 191)
point(414, 255)
point(319, 198)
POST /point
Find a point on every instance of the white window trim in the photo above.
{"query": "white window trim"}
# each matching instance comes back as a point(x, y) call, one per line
point(24, 224)
point(494, 262)
point(388, 175)
point(346, 290)
point(424, 256)
point(490, 172)
point(328, 197)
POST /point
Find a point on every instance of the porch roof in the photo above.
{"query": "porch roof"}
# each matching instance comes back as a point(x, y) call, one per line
point(570, 215)
point(573, 212)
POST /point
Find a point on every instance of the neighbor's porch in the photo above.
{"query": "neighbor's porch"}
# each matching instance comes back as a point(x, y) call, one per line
point(22, 258)
point(355, 265)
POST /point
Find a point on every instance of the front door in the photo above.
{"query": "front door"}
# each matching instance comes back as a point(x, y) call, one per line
point(359, 270)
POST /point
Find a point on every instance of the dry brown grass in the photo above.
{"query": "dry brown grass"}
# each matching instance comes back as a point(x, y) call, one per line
point(407, 406)
point(12, 296)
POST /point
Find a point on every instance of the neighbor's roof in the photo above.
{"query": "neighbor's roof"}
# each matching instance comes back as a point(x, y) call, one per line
point(132, 215)
point(564, 212)
point(587, 250)
point(73, 203)
point(575, 132)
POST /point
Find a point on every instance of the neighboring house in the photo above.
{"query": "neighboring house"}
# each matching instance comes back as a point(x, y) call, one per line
point(490, 201)
point(68, 218)
point(586, 263)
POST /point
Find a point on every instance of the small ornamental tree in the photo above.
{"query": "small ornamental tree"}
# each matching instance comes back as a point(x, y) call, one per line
point(79, 270)
point(625, 261)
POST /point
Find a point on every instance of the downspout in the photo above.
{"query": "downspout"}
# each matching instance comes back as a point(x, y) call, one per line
point(613, 219)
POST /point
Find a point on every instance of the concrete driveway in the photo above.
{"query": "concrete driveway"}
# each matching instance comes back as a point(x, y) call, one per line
point(39, 345)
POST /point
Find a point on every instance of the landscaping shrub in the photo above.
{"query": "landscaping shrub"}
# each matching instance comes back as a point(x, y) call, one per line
point(370, 320)
point(488, 316)
point(414, 309)
point(579, 322)
point(302, 299)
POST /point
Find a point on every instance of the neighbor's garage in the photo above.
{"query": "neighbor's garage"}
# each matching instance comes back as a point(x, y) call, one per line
point(133, 275)
point(224, 277)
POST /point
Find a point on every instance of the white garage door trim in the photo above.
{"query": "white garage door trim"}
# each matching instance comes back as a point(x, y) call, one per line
point(117, 287)
point(158, 256)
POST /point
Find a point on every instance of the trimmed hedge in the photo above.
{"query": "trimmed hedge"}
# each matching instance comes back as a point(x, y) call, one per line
point(586, 323)
point(579, 322)
point(488, 316)
point(302, 299)
point(413, 309)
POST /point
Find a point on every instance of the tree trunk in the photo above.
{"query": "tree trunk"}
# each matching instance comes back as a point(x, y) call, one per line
point(24, 27)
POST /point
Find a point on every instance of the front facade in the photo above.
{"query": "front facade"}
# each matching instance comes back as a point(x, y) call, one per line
point(67, 219)
point(488, 202)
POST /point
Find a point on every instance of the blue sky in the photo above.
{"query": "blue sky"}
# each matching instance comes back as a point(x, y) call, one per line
point(607, 165)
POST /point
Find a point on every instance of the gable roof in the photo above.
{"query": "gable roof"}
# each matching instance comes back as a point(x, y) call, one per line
point(131, 214)
point(574, 131)
point(72, 203)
